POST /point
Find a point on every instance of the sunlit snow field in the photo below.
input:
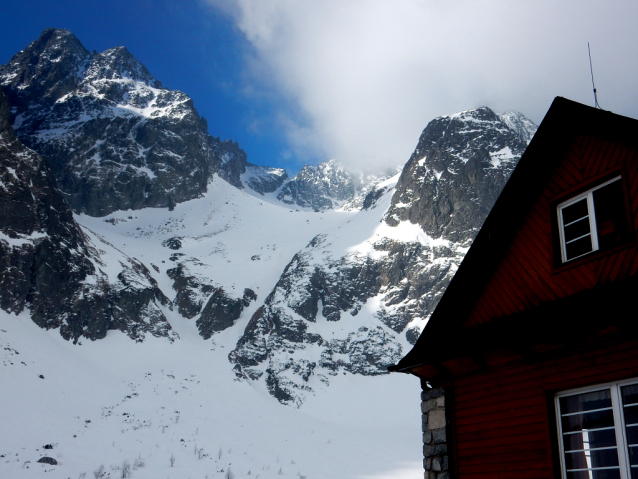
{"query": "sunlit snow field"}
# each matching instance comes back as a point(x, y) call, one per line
point(175, 410)
point(114, 402)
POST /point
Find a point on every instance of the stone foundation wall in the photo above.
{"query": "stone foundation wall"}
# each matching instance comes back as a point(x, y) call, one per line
point(435, 435)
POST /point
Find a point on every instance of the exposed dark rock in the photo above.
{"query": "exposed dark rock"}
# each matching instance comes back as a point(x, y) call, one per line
point(48, 264)
point(173, 243)
point(372, 197)
point(319, 188)
point(116, 138)
point(454, 176)
point(264, 179)
point(48, 460)
point(447, 188)
point(191, 290)
point(221, 311)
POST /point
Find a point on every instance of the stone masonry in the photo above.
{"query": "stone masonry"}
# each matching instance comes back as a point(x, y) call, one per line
point(434, 426)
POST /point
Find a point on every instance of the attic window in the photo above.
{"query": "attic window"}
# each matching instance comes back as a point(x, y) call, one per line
point(593, 220)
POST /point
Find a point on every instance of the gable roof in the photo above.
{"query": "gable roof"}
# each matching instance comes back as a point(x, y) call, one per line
point(564, 121)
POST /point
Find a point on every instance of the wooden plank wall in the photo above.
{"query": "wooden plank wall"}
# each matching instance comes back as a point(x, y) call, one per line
point(526, 276)
point(503, 420)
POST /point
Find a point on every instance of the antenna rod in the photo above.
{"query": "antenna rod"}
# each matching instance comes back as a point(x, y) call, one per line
point(596, 105)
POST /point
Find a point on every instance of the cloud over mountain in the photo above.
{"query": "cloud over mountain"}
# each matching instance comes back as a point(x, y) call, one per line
point(362, 76)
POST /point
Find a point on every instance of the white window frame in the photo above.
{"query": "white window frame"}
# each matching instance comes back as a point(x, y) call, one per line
point(591, 211)
point(619, 422)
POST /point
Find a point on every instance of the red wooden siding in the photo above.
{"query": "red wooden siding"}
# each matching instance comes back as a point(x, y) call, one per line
point(503, 424)
point(526, 276)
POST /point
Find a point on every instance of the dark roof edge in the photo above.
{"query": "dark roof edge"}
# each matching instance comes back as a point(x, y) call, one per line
point(563, 121)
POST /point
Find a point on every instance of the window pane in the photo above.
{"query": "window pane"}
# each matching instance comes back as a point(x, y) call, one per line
point(577, 229)
point(576, 211)
point(611, 217)
point(630, 394)
point(631, 415)
point(633, 456)
point(585, 402)
point(588, 420)
point(600, 474)
point(591, 459)
point(632, 435)
point(590, 439)
point(579, 247)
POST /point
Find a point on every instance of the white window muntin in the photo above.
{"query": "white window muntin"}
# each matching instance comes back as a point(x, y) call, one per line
point(589, 195)
point(619, 424)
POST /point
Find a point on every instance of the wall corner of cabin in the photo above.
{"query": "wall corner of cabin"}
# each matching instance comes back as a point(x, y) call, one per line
point(436, 427)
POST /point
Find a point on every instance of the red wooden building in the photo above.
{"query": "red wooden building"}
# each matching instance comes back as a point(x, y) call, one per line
point(529, 364)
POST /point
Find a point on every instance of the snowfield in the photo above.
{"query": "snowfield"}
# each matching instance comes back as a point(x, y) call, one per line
point(160, 409)
point(175, 410)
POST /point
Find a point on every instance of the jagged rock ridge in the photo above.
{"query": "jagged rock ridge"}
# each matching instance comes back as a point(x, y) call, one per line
point(49, 265)
point(396, 275)
point(116, 138)
point(319, 188)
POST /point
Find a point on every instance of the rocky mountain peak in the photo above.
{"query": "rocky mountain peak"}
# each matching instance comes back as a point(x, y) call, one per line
point(322, 187)
point(118, 64)
point(46, 70)
point(116, 139)
point(456, 172)
point(50, 266)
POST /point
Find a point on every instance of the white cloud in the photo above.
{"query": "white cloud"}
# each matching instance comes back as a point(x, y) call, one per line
point(366, 76)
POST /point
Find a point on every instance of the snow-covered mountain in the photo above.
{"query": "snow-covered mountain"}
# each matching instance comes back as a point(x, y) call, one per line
point(123, 217)
point(355, 297)
point(115, 137)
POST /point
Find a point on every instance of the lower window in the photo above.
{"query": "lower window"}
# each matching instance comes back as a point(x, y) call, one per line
point(598, 429)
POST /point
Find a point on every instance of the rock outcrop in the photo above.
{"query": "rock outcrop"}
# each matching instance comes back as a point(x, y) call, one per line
point(49, 265)
point(378, 279)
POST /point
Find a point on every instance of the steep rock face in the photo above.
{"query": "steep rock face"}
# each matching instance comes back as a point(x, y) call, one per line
point(320, 188)
point(221, 311)
point(354, 298)
point(457, 171)
point(116, 139)
point(264, 179)
point(198, 297)
point(50, 266)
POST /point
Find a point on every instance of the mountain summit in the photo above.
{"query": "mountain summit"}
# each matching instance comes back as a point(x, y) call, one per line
point(116, 138)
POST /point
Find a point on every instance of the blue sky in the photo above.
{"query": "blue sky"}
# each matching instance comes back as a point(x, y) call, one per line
point(302, 81)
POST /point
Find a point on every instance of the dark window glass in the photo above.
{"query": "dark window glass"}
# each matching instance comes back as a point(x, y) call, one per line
point(578, 248)
point(631, 415)
point(630, 394)
point(632, 435)
point(584, 440)
point(599, 474)
point(586, 401)
point(588, 420)
point(633, 456)
point(577, 229)
point(575, 212)
point(591, 459)
point(630, 410)
point(611, 216)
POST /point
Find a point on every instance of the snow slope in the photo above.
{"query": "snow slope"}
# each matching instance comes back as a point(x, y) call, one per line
point(231, 236)
point(175, 410)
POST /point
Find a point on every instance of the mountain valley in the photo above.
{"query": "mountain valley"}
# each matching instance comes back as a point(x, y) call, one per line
point(161, 297)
